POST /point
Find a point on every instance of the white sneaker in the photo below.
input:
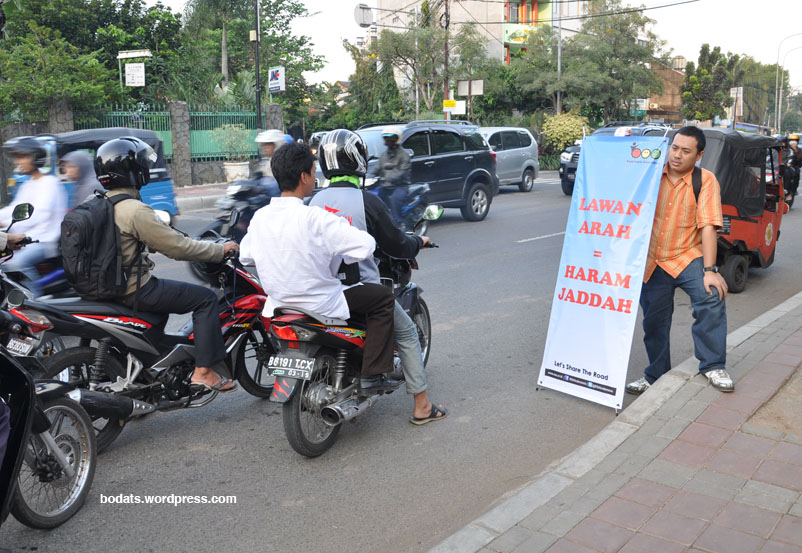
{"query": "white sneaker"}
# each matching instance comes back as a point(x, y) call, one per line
point(638, 386)
point(720, 379)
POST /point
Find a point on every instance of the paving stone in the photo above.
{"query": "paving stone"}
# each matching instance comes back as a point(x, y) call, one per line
point(734, 463)
point(705, 435)
point(788, 453)
point(607, 487)
point(687, 454)
point(645, 492)
point(791, 360)
point(724, 418)
point(568, 546)
point(794, 439)
point(600, 535)
point(644, 543)
point(621, 512)
point(790, 349)
point(694, 408)
point(767, 496)
point(586, 505)
point(747, 518)
point(666, 472)
point(749, 443)
point(762, 431)
point(633, 465)
point(509, 540)
point(541, 516)
point(674, 527)
point(726, 540)
point(778, 547)
point(591, 478)
point(780, 474)
point(570, 494)
point(563, 523)
point(652, 426)
point(789, 530)
point(673, 428)
point(739, 401)
point(715, 484)
point(538, 543)
point(611, 462)
point(709, 394)
point(796, 509)
point(695, 505)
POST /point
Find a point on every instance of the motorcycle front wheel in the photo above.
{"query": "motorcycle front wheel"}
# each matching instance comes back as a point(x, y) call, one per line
point(45, 497)
point(424, 323)
point(305, 428)
point(251, 363)
point(72, 365)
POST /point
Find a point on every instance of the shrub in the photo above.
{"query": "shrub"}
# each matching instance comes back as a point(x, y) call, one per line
point(563, 129)
point(235, 140)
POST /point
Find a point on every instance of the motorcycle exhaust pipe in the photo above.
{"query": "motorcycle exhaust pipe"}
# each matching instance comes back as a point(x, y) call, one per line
point(103, 405)
point(347, 410)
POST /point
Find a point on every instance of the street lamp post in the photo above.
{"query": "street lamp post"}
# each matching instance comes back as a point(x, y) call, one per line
point(777, 81)
point(256, 59)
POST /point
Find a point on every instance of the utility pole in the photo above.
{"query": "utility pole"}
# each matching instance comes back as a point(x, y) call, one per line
point(256, 59)
point(559, 57)
point(445, 65)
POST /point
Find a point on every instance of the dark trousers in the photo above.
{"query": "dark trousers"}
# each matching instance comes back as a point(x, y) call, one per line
point(377, 303)
point(172, 296)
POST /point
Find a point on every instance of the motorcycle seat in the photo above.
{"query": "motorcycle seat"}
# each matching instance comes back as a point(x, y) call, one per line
point(287, 310)
point(76, 306)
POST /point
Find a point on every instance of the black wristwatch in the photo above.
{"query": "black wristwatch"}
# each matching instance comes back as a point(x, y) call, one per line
point(712, 269)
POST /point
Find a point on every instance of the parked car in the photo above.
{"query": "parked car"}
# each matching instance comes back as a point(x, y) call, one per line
point(516, 155)
point(451, 157)
point(569, 159)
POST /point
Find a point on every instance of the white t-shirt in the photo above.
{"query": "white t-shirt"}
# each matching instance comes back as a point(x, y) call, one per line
point(297, 251)
point(49, 199)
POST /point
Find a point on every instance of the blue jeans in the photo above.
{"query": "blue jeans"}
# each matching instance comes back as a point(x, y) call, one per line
point(406, 338)
point(709, 329)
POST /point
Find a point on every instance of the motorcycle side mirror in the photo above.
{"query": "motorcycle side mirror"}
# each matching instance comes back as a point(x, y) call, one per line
point(164, 216)
point(15, 298)
point(22, 212)
point(433, 212)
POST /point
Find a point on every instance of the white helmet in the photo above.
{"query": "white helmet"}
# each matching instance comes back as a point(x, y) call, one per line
point(388, 132)
point(273, 135)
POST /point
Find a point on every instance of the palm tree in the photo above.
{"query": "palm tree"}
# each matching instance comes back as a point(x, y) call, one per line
point(211, 13)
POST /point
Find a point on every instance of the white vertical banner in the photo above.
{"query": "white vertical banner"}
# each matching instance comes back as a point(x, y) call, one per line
point(601, 270)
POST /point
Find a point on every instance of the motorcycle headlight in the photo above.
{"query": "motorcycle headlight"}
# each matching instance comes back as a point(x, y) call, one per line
point(565, 156)
point(370, 181)
point(233, 189)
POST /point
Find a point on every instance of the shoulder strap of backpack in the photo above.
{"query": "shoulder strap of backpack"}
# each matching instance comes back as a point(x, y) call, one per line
point(119, 198)
point(696, 180)
point(140, 249)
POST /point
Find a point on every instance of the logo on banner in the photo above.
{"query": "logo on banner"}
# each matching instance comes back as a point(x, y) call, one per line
point(639, 151)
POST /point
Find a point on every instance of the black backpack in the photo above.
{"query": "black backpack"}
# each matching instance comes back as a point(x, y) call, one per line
point(91, 251)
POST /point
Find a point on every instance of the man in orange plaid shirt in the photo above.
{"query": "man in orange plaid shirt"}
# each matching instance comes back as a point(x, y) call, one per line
point(682, 254)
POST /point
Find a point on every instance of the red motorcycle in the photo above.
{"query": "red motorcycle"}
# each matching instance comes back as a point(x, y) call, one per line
point(128, 353)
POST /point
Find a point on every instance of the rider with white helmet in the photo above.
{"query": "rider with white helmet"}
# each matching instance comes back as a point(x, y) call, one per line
point(268, 142)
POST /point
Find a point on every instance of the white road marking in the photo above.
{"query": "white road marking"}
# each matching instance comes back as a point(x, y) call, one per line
point(540, 237)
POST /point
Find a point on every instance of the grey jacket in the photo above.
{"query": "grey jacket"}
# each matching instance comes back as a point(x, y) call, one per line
point(394, 167)
point(139, 223)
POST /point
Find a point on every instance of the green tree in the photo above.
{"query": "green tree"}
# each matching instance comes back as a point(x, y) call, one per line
point(30, 85)
point(706, 91)
point(757, 81)
point(608, 63)
point(205, 14)
point(373, 94)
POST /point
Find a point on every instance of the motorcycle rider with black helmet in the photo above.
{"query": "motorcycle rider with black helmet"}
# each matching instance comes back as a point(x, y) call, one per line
point(123, 166)
point(49, 198)
point(343, 160)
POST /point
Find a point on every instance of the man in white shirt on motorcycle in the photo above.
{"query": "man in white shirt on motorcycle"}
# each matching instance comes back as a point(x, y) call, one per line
point(49, 198)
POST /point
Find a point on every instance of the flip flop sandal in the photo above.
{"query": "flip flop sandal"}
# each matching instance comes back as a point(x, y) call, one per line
point(436, 414)
point(217, 387)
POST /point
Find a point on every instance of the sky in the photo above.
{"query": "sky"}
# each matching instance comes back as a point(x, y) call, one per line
point(751, 27)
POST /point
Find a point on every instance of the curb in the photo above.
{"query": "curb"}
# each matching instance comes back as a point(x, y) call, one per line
point(481, 531)
point(195, 203)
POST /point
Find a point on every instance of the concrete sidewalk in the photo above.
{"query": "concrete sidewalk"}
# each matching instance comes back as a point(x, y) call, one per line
point(203, 196)
point(680, 470)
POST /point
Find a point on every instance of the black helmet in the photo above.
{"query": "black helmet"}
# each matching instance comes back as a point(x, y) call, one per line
point(342, 152)
point(124, 162)
point(27, 146)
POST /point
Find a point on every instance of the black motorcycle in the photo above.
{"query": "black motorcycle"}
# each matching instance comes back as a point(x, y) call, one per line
point(50, 452)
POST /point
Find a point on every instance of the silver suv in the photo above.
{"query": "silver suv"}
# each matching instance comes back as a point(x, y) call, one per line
point(516, 155)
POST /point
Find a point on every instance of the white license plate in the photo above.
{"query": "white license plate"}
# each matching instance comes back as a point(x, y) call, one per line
point(291, 367)
point(19, 347)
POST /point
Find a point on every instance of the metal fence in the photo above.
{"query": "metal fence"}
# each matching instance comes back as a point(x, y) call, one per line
point(204, 122)
point(205, 139)
point(154, 117)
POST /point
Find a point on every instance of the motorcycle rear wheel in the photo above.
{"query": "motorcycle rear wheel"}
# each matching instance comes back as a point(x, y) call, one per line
point(306, 431)
point(72, 365)
point(50, 503)
point(251, 363)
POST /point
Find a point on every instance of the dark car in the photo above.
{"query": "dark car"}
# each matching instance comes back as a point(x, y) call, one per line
point(451, 157)
point(569, 159)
